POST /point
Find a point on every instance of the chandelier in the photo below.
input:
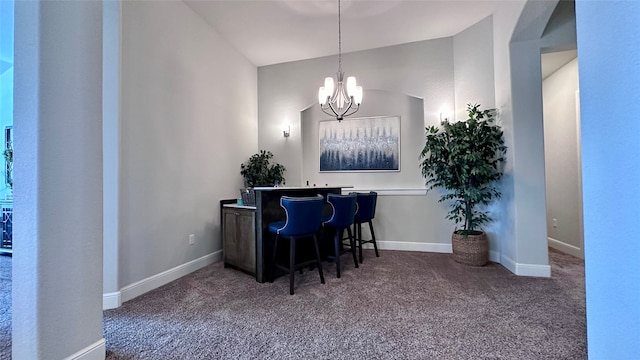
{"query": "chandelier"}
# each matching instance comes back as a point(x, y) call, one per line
point(343, 99)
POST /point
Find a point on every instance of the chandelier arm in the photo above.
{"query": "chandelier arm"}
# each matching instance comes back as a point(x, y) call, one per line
point(328, 113)
point(344, 113)
point(334, 110)
point(355, 110)
point(341, 113)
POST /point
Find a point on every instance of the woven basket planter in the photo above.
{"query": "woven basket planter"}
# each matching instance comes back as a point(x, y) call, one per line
point(470, 249)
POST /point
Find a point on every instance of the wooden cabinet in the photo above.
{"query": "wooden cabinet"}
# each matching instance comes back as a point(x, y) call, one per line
point(239, 238)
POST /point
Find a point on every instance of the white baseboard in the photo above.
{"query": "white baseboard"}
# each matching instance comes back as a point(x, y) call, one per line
point(565, 248)
point(95, 351)
point(494, 256)
point(533, 270)
point(115, 299)
point(411, 246)
point(111, 300)
point(526, 269)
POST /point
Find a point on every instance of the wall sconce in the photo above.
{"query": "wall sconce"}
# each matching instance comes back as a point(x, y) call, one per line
point(444, 118)
point(286, 132)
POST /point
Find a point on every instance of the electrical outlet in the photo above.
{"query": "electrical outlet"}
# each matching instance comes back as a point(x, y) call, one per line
point(192, 239)
point(555, 223)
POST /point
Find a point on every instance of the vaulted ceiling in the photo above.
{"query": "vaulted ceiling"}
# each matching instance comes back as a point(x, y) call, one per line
point(270, 32)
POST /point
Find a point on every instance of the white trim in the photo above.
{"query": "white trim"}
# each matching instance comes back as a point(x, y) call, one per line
point(140, 287)
point(533, 270)
point(494, 256)
point(565, 248)
point(508, 263)
point(95, 351)
point(426, 247)
point(391, 192)
point(526, 269)
point(111, 300)
point(411, 246)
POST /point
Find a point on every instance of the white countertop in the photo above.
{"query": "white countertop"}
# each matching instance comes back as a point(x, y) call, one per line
point(272, 188)
point(236, 206)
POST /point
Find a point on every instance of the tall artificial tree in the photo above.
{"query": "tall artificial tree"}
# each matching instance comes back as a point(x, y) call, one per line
point(464, 158)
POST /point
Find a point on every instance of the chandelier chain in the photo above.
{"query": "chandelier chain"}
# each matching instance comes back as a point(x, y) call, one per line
point(339, 40)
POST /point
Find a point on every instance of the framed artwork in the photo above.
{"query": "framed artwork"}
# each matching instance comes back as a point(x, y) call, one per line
point(360, 144)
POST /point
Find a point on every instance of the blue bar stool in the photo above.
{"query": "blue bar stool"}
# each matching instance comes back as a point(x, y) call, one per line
point(303, 221)
point(344, 208)
point(366, 211)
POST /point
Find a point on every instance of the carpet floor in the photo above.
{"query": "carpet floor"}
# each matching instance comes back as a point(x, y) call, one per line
point(5, 307)
point(402, 305)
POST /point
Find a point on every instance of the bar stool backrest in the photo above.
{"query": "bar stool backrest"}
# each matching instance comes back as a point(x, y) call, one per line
point(344, 209)
point(366, 206)
point(304, 215)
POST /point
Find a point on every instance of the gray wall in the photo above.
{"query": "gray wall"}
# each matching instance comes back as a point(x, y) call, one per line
point(562, 168)
point(188, 119)
point(473, 68)
point(57, 264)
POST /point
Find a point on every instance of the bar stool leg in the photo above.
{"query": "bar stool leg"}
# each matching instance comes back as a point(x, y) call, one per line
point(373, 238)
point(336, 246)
point(292, 262)
point(352, 244)
point(273, 259)
point(315, 244)
point(359, 240)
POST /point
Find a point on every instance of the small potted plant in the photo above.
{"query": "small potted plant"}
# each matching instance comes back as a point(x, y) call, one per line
point(257, 171)
point(464, 159)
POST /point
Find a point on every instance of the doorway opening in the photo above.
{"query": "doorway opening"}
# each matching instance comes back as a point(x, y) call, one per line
point(561, 118)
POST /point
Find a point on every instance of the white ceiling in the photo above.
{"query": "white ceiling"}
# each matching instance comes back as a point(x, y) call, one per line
point(551, 62)
point(270, 32)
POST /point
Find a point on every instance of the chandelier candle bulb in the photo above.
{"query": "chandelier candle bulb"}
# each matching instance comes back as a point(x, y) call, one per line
point(322, 97)
point(351, 85)
point(358, 95)
point(328, 86)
